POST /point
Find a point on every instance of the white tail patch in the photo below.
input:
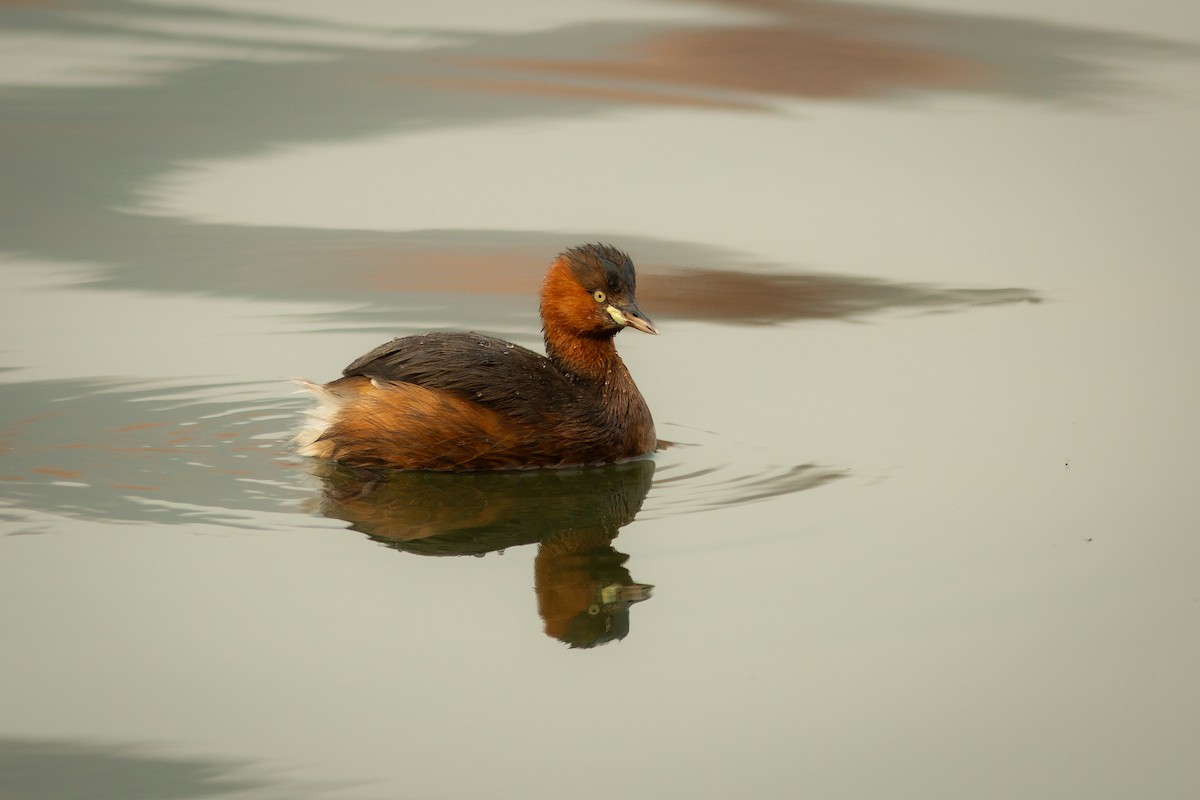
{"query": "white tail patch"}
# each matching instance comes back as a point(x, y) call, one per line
point(317, 419)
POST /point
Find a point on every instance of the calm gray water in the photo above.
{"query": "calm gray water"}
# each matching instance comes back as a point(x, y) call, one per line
point(925, 275)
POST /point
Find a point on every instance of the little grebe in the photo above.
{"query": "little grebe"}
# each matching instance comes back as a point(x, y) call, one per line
point(462, 401)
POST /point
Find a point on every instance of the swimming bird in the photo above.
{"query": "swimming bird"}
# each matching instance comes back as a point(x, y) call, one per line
point(465, 401)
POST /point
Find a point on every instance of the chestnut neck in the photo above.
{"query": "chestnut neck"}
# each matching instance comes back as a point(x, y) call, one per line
point(618, 402)
point(592, 357)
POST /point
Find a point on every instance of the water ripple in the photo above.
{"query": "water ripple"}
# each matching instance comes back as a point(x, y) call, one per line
point(218, 454)
point(708, 473)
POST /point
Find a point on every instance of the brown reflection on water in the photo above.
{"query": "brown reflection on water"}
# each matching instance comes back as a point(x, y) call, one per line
point(800, 49)
point(729, 294)
point(803, 50)
point(584, 591)
point(753, 297)
point(606, 94)
point(113, 141)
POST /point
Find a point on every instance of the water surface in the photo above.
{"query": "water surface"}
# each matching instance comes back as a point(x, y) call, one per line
point(924, 273)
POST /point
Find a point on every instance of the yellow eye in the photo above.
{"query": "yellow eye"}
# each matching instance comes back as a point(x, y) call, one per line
point(599, 296)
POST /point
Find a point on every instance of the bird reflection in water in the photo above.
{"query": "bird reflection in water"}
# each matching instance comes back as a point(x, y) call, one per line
point(584, 591)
